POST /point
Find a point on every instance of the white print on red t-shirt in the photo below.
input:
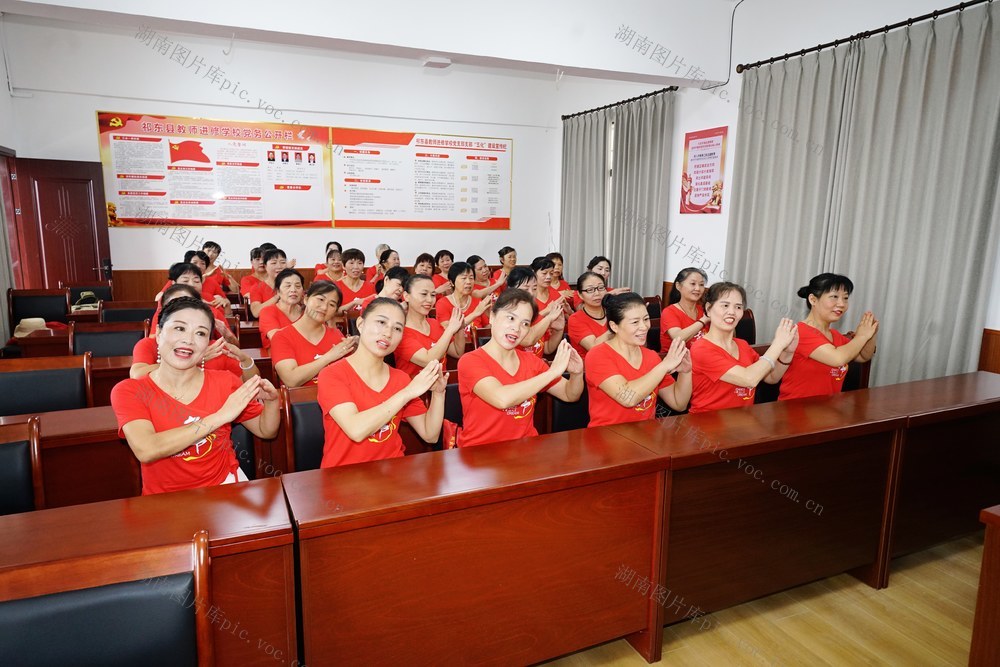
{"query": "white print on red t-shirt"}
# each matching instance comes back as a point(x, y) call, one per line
point(523, 410)
point(838, 373)
point(745, 393)
point(187, 454)
point(646, 403)
point(383, 433)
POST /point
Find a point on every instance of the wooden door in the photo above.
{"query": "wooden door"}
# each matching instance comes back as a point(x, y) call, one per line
point(61, 223)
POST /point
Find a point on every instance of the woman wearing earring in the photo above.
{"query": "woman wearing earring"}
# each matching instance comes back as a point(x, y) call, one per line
point(287, 310)
point(820, 361)
point(588, 326)
point(300, 351)
point(726, 370)
point(424, 338)
point(499, 382)
point(363, 399)
point(685, 317)
point(221, 355)
point(177, 418)
point(624, 377)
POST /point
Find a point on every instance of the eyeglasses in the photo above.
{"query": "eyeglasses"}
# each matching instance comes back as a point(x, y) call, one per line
point(591, 290)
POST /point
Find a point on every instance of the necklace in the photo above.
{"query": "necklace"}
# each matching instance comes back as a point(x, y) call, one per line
point(462, 306)
point(603, 314)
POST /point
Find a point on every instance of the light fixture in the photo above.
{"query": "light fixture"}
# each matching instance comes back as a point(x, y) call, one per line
point(437, 62)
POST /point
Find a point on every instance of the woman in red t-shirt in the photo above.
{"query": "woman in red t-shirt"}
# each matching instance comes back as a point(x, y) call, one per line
point(559, 283)
point(684, 317)
point(482, 287)
point(624, 377)
point(588, 326)
point(183, 273)
point(333, 270)
point(499, 382)
point(547, 330)
point(264, 293)
point(508, 260)
point(443, 260)
point(601, 265)
point(300, 351)
point(363, 399)
point(287, 310)
point(332, 245)
point(222, 355)
point(257, 272)
point(544, 294)
point(353, 286)
point(424, 338)
point(387, 259)
point(820, 361)
point(726, 370)
point(177, 418)
point(474, 311)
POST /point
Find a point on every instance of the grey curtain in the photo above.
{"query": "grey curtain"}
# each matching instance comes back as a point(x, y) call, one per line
point(908, 177)
point(584, 181)
point(640, 183)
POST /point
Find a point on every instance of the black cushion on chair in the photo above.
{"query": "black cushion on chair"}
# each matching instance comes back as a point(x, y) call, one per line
point(17, 493)
point(27, 392)
point(106, 343)
point(570, 416)
point(49, 308)
point(243, 444)
point(307, 435)
point(453, 404)
point(134, 623)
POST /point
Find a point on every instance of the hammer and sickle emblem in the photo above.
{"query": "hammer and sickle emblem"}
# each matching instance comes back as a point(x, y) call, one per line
point(115, 122)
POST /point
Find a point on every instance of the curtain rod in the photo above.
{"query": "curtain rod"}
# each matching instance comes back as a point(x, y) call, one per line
point(631, 99)
point(864, 35)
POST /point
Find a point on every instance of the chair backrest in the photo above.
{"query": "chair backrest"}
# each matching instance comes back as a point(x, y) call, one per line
point(483, 335)
point(653, 306)
point(453, 404)
point(52, 305)
point(245, 452)
point(570, 416)
point(147, 606)
point(45, 384)
point(21, 487)
point(746, 328)
point(653, 337)
point(303, 427)
point(106, 339)
point(102, 290)
point(127, 311)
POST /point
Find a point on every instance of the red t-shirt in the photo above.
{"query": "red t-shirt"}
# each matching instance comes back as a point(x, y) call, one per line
point(340, 383)
point(672, 316)
point(444, 308)
point(364, 302)
point(709, 363)
point(211, 289)
point(439, 279)
point(542, 305)
point(144, 352)
point(205, 463)
point(271, 318)
point(496, 277)
point(604, 362)
point(371, 272)
point(289, 343)
point(366, 289)
point(482, 423)
point(261, 292)
point(579, 326)
point(218, 277)
point(561, 286)
point(538, 349)
point(808, 377)
point(320, 267)
point(247, 283)
point(413, 341)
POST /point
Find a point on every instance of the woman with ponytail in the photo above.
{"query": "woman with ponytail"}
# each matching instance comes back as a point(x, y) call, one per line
point(684, 317)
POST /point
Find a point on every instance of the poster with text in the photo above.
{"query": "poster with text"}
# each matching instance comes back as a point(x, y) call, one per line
point(165, 170)
point(424, 181)
point(704, 166)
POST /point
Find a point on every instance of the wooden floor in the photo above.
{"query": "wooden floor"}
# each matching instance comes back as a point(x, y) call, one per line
point(924, 617)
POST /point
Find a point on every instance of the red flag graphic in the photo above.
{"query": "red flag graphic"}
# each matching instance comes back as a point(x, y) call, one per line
point(187, 150)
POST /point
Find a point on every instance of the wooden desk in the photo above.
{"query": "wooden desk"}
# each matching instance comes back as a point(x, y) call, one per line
point(985, 650)
point(44, 343)
point(950, 458)
point(83, 460)
point(249, 334)
point(773, 496)
point(499, 554)
point(250, 533)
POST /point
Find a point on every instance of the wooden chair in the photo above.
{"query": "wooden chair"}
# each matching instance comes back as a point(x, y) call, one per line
point(483, 335)
point(565, 416)
point(52, 305)
point(21, 488)
point(746, 328)
point(126, 311)
point(45, 384)
point(654, 306)
point(653, 337)
point(302, 426)
point(136, 607)
point(106, 339)
point(102, 289)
